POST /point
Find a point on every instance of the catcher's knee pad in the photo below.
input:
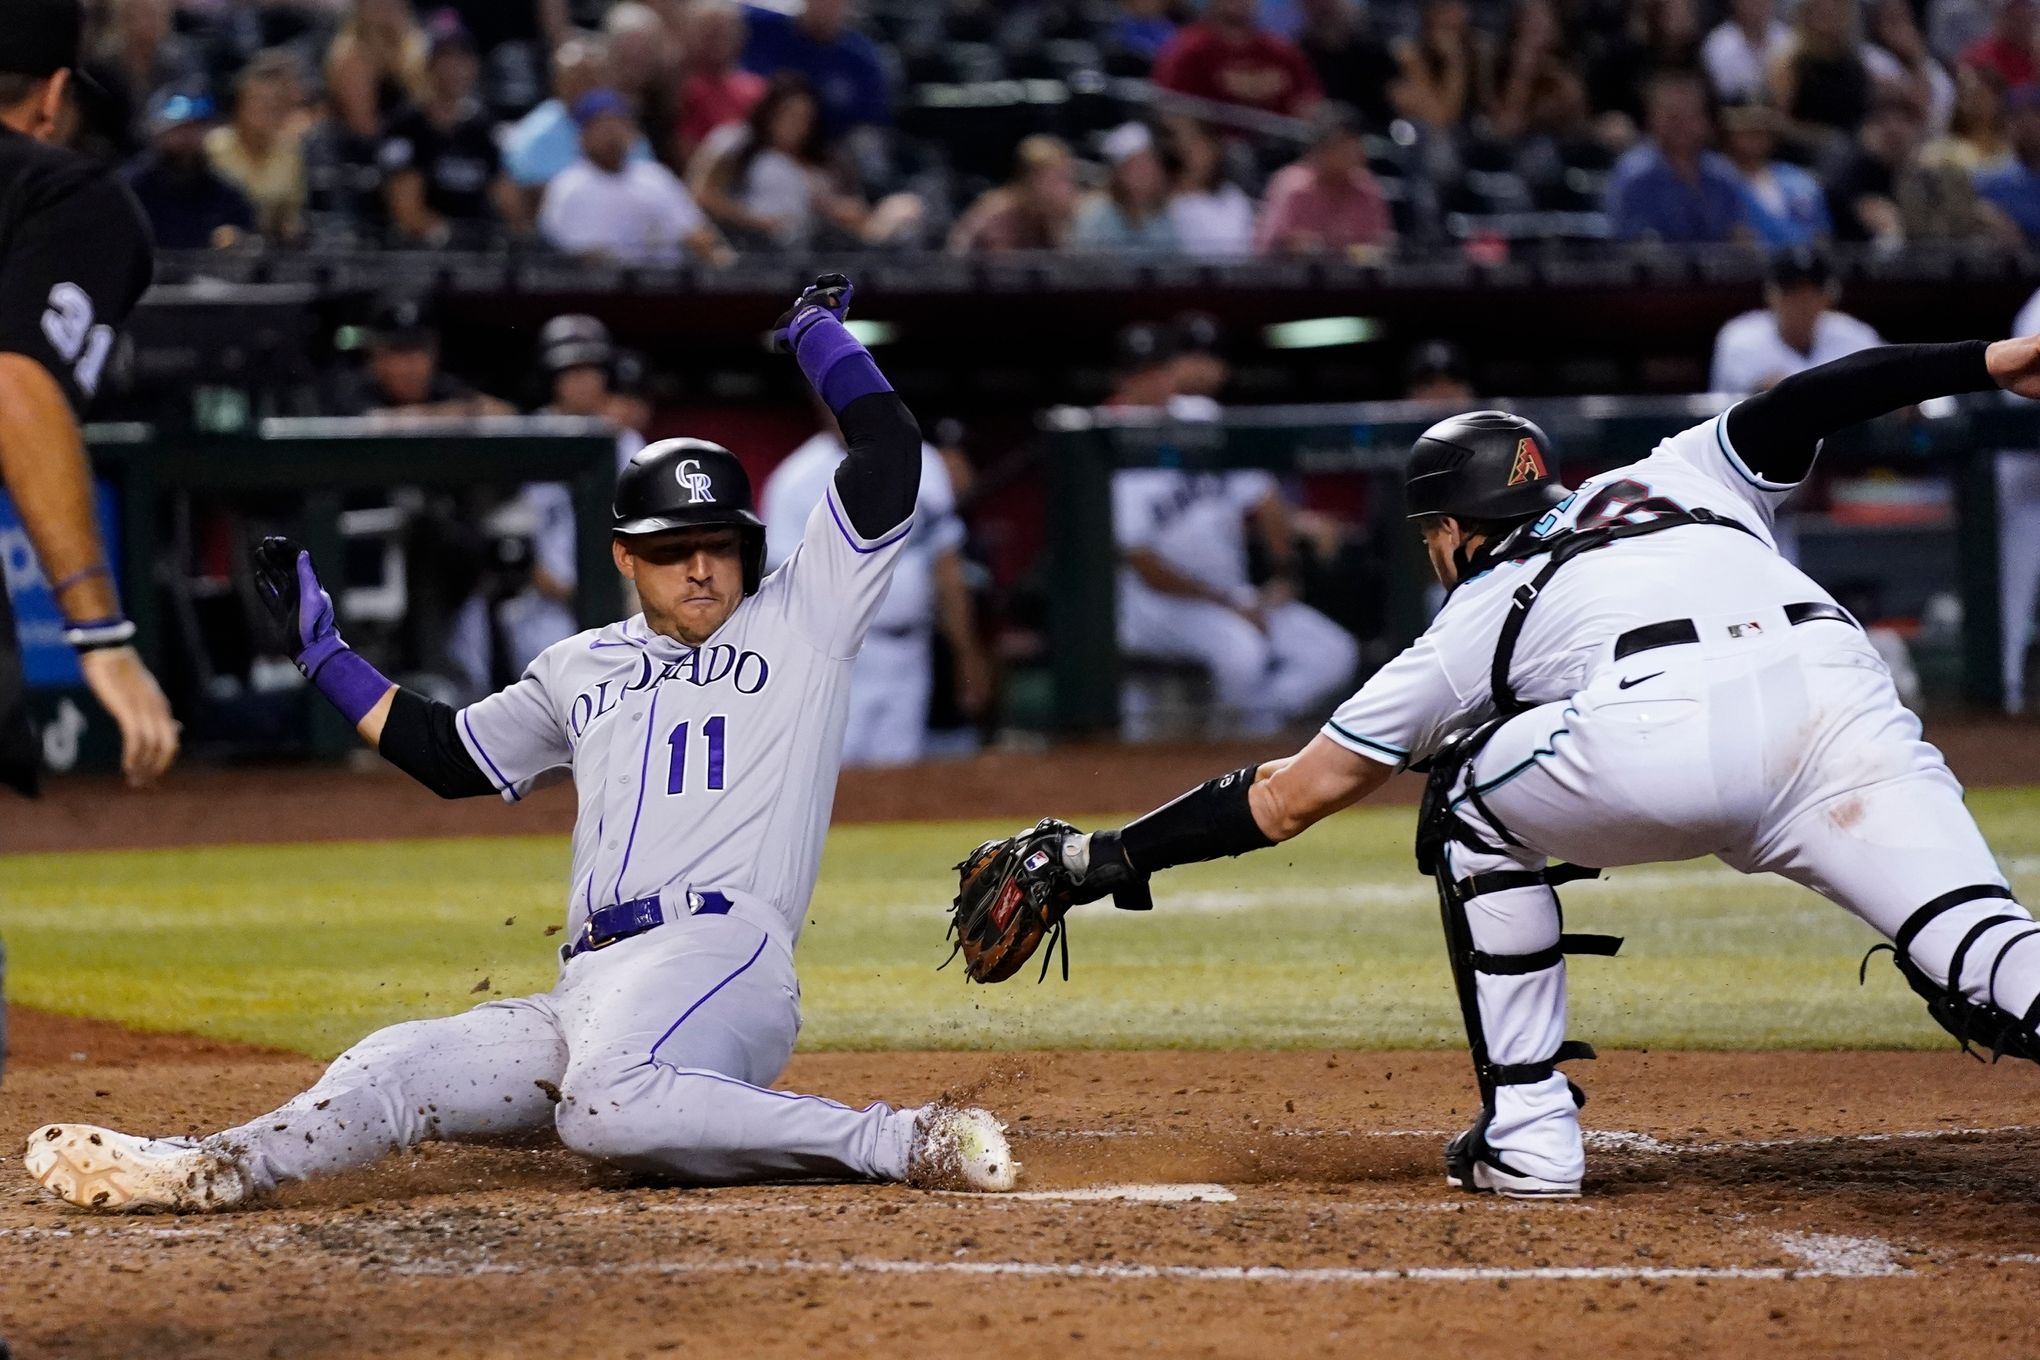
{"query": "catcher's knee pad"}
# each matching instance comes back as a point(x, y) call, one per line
point(1977, 929)
point(1504, 934)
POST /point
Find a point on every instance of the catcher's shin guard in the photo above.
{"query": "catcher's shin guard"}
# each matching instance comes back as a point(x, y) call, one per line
point(1507, 950)
point(1986, 949)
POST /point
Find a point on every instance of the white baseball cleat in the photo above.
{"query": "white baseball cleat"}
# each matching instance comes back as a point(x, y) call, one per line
point(960, 1148)
point(97, 1168)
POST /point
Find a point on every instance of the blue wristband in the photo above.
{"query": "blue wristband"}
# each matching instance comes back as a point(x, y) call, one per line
point(351, 684)
point(838, 367)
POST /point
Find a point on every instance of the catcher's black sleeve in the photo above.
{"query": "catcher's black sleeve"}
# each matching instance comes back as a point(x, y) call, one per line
point(419, 739)
point(1212, 821)
point(881, 477)
point(75, 255)
point(1777, 433)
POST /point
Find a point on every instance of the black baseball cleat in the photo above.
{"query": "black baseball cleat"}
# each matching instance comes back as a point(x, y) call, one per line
point(1471, 1165)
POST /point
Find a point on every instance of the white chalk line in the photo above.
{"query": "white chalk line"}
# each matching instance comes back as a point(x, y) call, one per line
point(1185, 1193)
point(1826, 1256)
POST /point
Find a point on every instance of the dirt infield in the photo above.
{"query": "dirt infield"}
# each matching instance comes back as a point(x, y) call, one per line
point(201, 806)
point(1288, 1204)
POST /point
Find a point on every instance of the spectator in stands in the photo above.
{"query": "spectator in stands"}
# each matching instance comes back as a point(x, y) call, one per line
point(607, 206)
point(1224, 56)
point(1212, 216)
point(1821, 83)
point(1796, 329)
point(1353, 65)
point(1783, 204)
point(443, 179)
point(1863, 191)
point(764, 182)
point(136, 54)
point(1031, 211)
point(546, 140)
point(1742, 48)
point(644, 69)
point(1437, 374)
point(841, 64)
point(714, 90)
point(1327, 202)
point(1131, 213)
point(1899, 61)
point(402, 374)
point(376, 66)
point(1447, 70)
point(188, 206)
point(1137, 35)
point(1661, 37)
point(1976, 139)
point(1671, 188)
point(2011, 51)
point(1536, 69)
point(2015, 189)
point(261, 152)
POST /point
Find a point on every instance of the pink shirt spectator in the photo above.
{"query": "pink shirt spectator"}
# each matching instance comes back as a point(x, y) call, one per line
point(1307, 214)
point(711, 99)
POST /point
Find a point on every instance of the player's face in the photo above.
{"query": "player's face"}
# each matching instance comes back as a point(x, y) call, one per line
point(689, 580)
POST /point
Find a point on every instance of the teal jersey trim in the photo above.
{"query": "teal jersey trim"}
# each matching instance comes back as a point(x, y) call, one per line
point(1550, 748)
point(1384, 747)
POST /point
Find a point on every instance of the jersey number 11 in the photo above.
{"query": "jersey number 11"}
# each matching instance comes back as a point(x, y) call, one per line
point(712, 737)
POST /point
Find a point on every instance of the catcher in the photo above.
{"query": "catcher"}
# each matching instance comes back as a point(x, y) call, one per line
point(1625, 673)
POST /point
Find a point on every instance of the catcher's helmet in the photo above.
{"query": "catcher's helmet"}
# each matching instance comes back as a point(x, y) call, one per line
point(1484, 465)
point(686, 483)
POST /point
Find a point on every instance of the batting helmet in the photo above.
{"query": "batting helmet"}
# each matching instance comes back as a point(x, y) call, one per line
point(688, 483)
point(574, 341)
point(1484, 465)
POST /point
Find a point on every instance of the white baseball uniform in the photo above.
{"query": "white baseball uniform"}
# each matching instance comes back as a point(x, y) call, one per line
point(705, 778)
point(1195, 523)
point(2018, 488)
point(1750, 355)
point(894, 676)
point(1774, 744)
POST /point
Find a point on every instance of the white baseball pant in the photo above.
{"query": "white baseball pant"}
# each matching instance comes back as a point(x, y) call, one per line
point(1262, 677)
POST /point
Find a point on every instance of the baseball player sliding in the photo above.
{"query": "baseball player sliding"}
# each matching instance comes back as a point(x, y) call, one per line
point(1625, 673)
point(703, 736)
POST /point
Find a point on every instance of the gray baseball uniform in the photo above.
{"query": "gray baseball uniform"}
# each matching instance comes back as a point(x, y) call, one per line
point(705, 776)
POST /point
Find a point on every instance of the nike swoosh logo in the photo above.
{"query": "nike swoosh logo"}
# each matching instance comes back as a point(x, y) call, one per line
point(1625, 684)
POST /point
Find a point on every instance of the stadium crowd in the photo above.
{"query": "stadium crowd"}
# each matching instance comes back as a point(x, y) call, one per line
point(651, 131)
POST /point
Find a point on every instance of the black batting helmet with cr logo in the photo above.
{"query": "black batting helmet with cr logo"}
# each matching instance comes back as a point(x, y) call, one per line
point(1484, 465)
point(688, 484)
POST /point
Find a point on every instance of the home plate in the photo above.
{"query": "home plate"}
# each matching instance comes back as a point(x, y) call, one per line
point(1137, 1194)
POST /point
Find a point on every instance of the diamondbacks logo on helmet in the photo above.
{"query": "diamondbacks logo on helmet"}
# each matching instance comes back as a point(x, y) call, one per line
point(700, 487)
point(1529, 464)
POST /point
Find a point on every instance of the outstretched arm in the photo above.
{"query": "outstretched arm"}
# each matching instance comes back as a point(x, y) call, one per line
point(413, 733)
point(880, 479)
point(1778, 432)
point(1249, 809)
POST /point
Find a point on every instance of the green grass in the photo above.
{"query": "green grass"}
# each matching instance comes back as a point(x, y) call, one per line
point(1330, 941)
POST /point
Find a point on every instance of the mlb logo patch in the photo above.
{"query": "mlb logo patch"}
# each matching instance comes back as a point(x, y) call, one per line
point(1036, 860)
point(1743, 630)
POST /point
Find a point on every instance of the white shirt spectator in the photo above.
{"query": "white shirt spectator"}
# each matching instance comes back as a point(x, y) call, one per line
point(1750, 355)
point(1736, 69)
point(640, 215)
point(1213, 223)
point(1887, 69)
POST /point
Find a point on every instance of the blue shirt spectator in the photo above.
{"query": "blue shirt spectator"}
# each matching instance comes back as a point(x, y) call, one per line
point(2015, 188)
point(1783, 204)
point(546, 140)
point(842, 65)
point(188, 206)
point(1671, 188)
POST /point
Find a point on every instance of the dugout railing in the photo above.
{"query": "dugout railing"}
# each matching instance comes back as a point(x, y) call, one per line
point(1082, 447)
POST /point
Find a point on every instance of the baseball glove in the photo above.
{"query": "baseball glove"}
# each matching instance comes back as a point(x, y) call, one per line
point(1014, 892)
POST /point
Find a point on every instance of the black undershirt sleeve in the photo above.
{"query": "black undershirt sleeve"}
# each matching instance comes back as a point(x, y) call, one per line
point(1778, 433)
point(881, 476)
point(419, 739)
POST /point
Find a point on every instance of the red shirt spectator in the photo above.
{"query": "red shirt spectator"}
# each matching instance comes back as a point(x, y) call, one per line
point(1226, 58)
point(1327, 202)
point(714, 90)
point(2008, 50)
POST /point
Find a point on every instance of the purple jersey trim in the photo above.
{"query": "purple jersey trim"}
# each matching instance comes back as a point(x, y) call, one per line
point(893, 535)
point(766, 1091)
point(483, 752)
point(644, 763)
point(763, 940)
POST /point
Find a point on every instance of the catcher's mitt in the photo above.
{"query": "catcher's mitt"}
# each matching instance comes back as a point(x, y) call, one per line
point(1014, 891)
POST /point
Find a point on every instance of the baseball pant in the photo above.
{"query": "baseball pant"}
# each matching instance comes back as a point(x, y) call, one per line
point(2018, 486)
point(1261, 678)
point(652, 1054)
point(1783, 752)
point(890, 686)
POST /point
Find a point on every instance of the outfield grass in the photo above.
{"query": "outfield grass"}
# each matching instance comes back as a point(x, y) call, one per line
point(1331, 941)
